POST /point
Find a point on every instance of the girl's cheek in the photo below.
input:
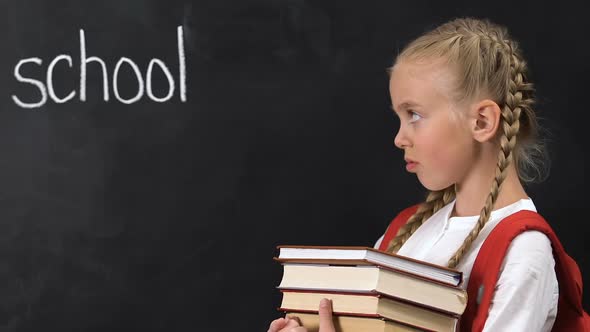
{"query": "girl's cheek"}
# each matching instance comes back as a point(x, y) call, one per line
point(441, 157)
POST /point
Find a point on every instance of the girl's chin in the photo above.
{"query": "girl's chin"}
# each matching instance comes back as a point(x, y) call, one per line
point(433, 186)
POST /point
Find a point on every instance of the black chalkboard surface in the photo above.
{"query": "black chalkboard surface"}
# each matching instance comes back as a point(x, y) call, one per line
point(154, 153)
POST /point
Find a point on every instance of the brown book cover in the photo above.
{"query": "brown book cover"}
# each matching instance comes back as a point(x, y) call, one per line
point(370, 305)
point(356, 323)
point(371, 293)
point(456, 275)
point(349, 262)
point(354, 279)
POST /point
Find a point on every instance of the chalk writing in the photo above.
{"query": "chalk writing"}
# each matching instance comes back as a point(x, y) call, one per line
point(47, 90)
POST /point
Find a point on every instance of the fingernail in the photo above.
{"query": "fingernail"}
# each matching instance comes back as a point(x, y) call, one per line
point(324, 303)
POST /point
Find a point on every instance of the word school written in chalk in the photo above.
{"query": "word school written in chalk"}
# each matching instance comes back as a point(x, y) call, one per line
point(48, 89)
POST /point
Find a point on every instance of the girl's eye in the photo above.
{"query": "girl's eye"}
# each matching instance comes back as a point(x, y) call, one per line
point(414, 116)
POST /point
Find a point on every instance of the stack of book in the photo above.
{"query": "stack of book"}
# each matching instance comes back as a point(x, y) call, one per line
point(371, 290)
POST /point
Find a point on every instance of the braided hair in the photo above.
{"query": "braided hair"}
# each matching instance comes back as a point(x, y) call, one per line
point(486, 61)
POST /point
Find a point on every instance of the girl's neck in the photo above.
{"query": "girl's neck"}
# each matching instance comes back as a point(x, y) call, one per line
point(471, 197)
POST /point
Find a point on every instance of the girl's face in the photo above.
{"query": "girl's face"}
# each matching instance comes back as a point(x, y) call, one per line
point(434, 133)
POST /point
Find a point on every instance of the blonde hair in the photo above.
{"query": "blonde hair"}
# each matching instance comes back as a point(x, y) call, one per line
point(487, 62)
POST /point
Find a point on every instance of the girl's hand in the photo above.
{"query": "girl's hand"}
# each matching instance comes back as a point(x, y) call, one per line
point(292, 324)
point(283, 324)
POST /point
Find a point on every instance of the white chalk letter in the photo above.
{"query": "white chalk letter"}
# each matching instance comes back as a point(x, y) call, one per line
point(36, 83)
point(148, 80)
point(83, 62)
point(181, 63)
point(50, 79)
point(139, 81)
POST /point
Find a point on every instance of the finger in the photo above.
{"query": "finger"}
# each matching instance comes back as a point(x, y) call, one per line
point(296, 319)
point(278, 324)
point(292, 324)
point(298, 329)
point(326, 323)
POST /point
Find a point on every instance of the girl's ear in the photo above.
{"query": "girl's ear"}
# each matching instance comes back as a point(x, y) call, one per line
point(485, 120)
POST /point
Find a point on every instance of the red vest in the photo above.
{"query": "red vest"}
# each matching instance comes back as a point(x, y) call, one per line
point(570, 313)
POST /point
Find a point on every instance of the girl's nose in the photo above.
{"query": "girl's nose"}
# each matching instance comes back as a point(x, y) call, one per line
point(400, 140)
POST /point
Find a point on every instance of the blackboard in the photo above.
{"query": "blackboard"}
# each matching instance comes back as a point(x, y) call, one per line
point(234, 126)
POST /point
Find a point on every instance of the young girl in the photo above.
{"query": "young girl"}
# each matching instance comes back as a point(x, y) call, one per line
point(468, 131)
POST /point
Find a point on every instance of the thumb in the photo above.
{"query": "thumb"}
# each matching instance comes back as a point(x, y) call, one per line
point(326, 323)
point(292, 323)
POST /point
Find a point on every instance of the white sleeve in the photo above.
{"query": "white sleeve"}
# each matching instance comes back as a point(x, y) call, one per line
point(526, 295)
point(378, 243)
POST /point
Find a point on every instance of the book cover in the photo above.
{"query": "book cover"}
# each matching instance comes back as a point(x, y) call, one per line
point(357, 255)
point(310, 300)
point(359, 279)
point(370, 304)
point(356, 324)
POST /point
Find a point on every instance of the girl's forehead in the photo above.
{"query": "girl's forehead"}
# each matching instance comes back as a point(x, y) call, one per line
point(433, 70)
point(426, 80)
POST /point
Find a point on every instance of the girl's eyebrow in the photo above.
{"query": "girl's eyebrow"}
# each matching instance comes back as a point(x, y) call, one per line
point(404, 105)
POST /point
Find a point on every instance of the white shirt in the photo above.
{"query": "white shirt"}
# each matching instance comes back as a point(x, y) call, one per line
point(525, 298)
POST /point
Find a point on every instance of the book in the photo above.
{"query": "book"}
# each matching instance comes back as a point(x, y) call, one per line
point(351, 255)
point(370, 304)
point(354, 324)
point(372, 278)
